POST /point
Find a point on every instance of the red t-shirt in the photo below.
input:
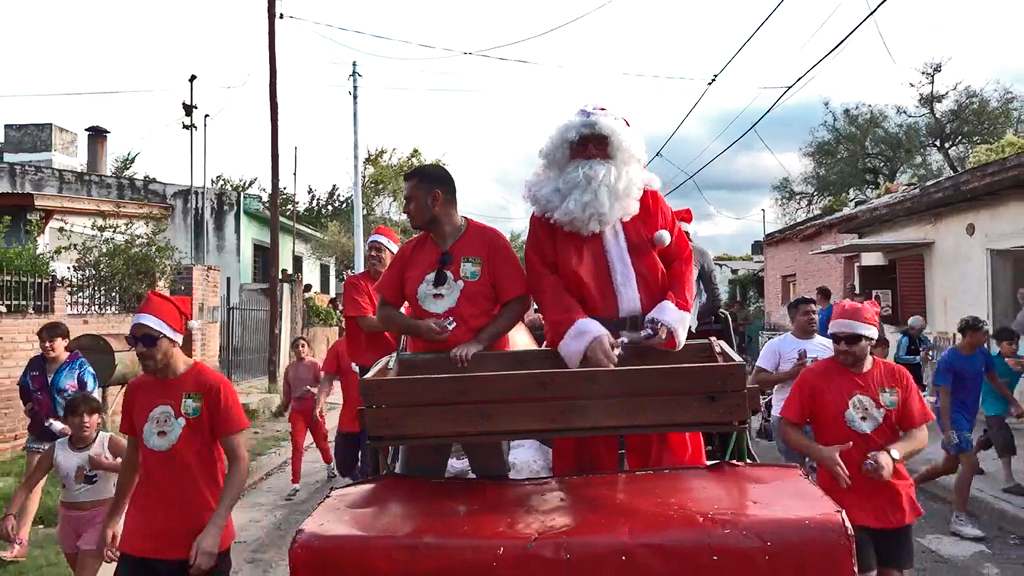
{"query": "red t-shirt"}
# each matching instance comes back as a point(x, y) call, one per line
point(484, 274)
point(871, 410)
point(360, 299)
point(339, 364)
point(178, 424)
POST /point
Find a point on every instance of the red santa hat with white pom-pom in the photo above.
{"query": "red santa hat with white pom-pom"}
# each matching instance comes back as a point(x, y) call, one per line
point(849, 317)
point(663, 238)
point(386, 237)
point(169, 315)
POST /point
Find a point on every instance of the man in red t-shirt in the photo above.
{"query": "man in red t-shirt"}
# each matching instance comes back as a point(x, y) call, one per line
point(351, 453)
point(867, 417)
point(181, 419)
point(365, 336)
point(465, 288)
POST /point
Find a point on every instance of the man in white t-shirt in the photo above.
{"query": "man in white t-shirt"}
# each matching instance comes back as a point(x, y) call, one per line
point(783, 358)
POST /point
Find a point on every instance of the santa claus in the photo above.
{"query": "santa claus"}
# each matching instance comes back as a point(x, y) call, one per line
point(604, 257)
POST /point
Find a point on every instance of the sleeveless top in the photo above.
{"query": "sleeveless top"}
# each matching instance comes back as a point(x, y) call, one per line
point(78, 481)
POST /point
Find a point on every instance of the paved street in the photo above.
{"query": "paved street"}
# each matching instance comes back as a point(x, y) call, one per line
point(939, 553)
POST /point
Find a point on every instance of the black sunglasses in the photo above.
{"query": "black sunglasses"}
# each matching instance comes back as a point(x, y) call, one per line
point(440, 278)
point(146, 340)
point(849, 339)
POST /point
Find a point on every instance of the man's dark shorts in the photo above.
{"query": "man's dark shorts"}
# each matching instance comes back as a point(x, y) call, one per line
point(128, 565)
point(999, 435)
point(885, 548)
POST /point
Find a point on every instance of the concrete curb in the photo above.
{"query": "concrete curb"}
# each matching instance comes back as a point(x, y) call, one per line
point(983, 505)
point(271, 461)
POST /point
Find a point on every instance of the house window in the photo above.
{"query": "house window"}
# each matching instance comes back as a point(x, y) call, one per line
point(260, 264)
point(910, 288)
point(789, 292)
point(325, 278)
point(1007, 285)
point(297, 264)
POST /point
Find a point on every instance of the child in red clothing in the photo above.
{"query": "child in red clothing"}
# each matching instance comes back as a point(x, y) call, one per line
point(351, 453)
point(301, 382)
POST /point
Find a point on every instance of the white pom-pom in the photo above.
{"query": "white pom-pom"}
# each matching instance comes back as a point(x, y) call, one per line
point(662, 238)
point(193, 325)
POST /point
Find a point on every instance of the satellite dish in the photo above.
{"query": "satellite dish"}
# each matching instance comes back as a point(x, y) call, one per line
point(100, 354)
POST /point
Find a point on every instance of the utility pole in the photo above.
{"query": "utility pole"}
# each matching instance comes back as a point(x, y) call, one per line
point(764, 225)
point(189, 108)
point(205, 118)
point(295, 202)
point(357, 192)
point(274, 342)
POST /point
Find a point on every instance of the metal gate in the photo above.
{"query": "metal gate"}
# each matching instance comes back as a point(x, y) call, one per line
point(245, 334)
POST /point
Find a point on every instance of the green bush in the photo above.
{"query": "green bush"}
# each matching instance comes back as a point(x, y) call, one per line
point(317, 315)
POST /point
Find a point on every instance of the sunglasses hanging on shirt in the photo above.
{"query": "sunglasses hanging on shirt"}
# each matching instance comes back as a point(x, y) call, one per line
point(440, 276)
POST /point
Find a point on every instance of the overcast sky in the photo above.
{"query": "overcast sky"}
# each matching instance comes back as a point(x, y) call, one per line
point(487, 118)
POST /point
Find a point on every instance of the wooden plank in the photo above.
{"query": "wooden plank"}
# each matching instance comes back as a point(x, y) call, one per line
point(471, 420)
point(593, 383)
point(547, 434)
point(693, 352)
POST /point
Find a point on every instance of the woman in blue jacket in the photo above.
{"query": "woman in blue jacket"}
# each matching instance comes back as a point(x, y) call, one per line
point(49, 379)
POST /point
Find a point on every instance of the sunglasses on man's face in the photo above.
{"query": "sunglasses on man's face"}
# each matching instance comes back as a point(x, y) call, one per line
point(848, 339)
point(145, 340)
point(440, 276)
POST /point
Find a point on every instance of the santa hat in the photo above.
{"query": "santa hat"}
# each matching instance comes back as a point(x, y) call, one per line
point(169, 315)
point(849, 317)
point(386, 237)
point(685, 218)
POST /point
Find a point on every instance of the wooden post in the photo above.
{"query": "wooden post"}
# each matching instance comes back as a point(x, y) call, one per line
point(273, 345)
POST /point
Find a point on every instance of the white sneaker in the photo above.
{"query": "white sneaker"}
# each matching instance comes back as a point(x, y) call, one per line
point(292, 493)
point(331, 472)
point(964, 527)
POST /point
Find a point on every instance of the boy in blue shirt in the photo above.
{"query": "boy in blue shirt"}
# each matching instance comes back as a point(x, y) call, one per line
point(997, 432)
point(911, 347)
point(958, 380)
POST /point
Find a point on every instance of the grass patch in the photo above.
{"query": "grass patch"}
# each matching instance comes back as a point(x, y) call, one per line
point(11, 472)
point(44, 556)
point(264, 444)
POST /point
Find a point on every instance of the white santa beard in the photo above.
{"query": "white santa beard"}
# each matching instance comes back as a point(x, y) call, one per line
point(449, 295)
point(152, 439)
point(588, 196)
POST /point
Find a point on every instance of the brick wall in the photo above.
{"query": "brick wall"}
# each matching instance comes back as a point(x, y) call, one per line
point(18, 343)
point(792, 257)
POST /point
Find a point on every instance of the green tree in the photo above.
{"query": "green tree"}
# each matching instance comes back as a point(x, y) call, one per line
point(124, 165)
point(236, 185)
point(726, 257)
point(118, 262)
point(382, 194)
point(986, 153)
point(23, 257)
point(859, 149)
point(517, 238)
point(959, 118)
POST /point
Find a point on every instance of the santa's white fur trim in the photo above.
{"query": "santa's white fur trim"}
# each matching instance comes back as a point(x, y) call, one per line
point(684, 226)
point(678, 321)
point(158, 325)
point(384, 241)
point(573, 346)
point(621, 267)
point(662, 238)
point(194, 325)
point(844, 326)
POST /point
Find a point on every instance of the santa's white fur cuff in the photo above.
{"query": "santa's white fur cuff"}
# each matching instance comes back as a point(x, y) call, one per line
point(678, 321)
point(575, 342)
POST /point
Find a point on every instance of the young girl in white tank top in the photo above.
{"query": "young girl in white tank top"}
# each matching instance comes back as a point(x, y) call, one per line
point(86, 463)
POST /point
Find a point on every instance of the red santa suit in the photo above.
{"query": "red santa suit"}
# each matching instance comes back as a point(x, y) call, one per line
point(632, 261)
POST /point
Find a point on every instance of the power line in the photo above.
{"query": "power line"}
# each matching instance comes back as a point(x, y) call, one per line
point(712, 81)
point(772, 152)
point(106, 92)
point(822, 25)
point(727, 126)
point(460, 52)
point(781, 96)
point(683, 171)
point(488, 216)
point(879, 28)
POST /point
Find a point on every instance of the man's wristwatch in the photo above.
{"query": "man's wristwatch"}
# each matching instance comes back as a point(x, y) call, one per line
point(894, 454)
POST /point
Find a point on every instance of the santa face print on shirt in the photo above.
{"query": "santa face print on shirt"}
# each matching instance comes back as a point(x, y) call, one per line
point(864, 415)
point(162, 429)
point(439, 300)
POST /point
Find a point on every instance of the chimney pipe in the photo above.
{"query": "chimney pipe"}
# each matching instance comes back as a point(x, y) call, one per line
point(97, 162)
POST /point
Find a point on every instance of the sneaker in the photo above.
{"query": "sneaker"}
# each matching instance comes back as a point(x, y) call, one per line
point(964, 527)
point(331, 472)
point(1015, 489)
point(16, 552)
point(292, 493)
